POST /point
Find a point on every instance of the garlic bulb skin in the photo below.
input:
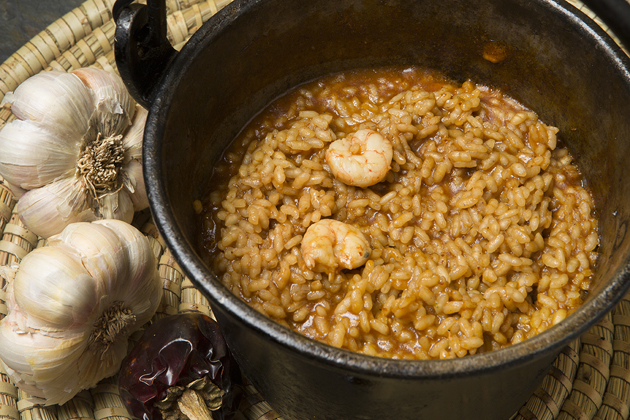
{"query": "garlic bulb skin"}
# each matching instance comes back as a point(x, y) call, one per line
point(113, 104)
point(75, 148)
point(73, 304)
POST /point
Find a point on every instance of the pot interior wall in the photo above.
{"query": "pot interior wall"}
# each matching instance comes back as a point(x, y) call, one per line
point(233, 67)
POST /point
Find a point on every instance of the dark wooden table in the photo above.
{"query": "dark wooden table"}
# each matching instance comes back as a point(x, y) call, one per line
point(20, 20)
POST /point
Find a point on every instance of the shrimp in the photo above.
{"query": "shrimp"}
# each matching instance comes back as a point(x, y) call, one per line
point(361, 159)
point(329, 244)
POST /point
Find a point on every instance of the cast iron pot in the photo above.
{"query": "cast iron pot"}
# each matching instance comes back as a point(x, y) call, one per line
point(558, 63)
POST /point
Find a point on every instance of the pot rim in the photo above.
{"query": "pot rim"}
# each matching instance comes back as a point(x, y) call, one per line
point(550, 341)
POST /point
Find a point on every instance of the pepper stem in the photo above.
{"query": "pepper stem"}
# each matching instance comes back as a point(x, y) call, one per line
point(193, 401)
point(193, 406)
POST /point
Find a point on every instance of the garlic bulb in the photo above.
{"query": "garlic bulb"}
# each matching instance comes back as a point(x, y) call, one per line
point(73, 149)
point(72, 305)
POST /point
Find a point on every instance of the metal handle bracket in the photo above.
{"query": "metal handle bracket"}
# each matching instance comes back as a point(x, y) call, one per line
point(143, 52)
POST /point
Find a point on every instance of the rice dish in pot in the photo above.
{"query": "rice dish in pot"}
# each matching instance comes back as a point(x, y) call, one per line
point(395, 213)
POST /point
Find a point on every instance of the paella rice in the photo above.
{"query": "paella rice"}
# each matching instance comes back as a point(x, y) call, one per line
point(480, 234)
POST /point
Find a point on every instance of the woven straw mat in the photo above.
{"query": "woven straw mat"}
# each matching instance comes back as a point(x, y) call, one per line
point(590, 379)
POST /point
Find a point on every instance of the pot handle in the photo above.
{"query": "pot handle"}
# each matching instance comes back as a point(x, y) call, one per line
point(616, 15)
point(143, 53)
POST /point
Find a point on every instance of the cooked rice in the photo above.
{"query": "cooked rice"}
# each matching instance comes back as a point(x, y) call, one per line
point(483, 233)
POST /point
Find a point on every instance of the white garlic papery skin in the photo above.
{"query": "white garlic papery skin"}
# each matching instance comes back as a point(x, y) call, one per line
point(72, 306)
point(76, 147)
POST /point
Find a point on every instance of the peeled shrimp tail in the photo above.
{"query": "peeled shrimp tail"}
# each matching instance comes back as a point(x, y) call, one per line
point(330, 244)
point(361, 159)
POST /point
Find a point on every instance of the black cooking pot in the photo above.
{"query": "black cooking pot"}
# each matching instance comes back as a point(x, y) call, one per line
point(558, 63)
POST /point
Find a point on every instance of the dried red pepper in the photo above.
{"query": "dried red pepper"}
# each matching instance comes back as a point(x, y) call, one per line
point(181, 368)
